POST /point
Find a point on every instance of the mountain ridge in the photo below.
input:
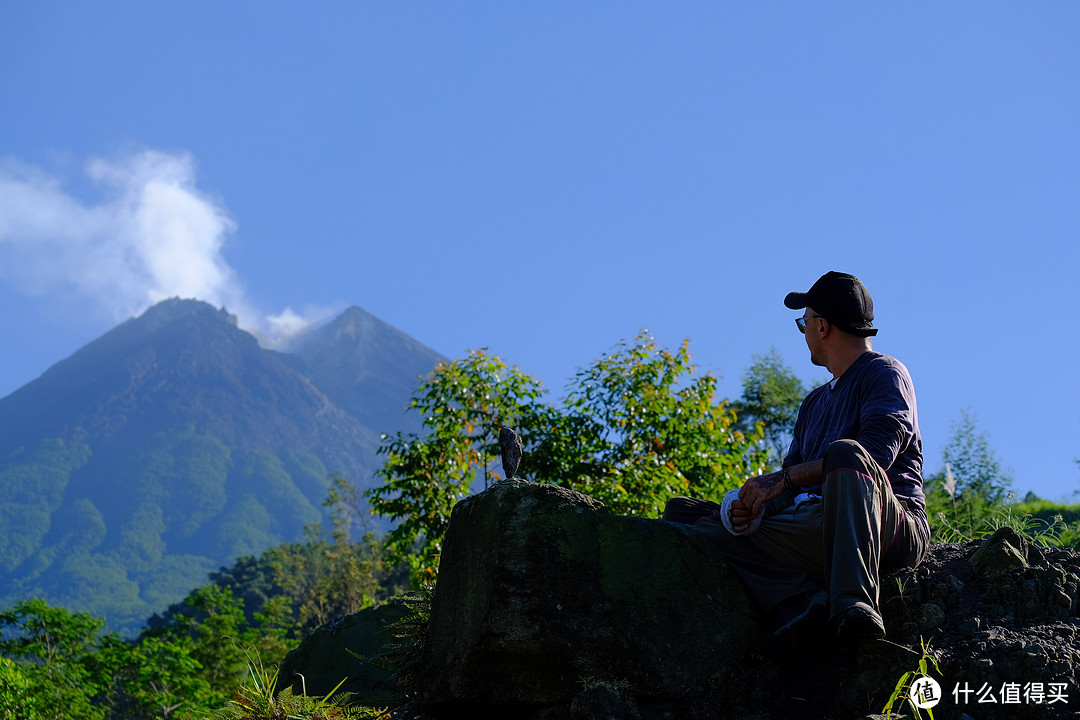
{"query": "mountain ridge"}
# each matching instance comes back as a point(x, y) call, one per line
point(174, 443)
point(339, 358)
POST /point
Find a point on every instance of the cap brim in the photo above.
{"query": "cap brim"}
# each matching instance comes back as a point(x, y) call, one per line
point(796, 300)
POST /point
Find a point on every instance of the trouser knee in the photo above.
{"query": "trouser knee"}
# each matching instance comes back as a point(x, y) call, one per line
point(847, 455)
point(688, 510)
point(675, 509)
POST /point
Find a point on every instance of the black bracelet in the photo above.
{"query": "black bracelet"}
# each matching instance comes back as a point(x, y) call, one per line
point(787, 481)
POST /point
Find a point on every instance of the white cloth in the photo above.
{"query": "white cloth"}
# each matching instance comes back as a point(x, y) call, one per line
point(725, 514)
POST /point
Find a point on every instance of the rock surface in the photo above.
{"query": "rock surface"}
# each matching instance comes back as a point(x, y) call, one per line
point(345, 650)
point(548, 607)
point(1005, 622)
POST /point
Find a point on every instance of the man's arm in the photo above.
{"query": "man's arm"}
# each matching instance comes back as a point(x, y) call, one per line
point(756, 491)
point(887, 418)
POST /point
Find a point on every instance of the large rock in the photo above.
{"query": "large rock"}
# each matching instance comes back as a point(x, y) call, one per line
point(547, 607)
point(546, 603)
point(1004, 552)
point(347, 652)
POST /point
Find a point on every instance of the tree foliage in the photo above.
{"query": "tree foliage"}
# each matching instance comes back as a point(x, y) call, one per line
point(974, 463)
point(55, 652)
point(647, 430)
point(463, 404)
point(771, 398)
point(58, 664)
point(636, 428)
point(330, 575)
point(971, 495)
point(18, 699)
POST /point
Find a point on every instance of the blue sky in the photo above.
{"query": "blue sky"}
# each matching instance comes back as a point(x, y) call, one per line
point(545, 179)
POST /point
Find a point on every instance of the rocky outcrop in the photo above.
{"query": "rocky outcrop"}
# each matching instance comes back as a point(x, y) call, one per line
point(548, 607)
point(1000, 616)
point(346, 655)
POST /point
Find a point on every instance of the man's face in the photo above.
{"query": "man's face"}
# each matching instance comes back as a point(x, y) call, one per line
point(813, 323)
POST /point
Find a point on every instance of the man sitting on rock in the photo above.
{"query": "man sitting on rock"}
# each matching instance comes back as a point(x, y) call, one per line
point(810, 540)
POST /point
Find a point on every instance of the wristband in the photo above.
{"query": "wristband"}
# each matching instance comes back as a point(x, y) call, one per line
point(788, 485)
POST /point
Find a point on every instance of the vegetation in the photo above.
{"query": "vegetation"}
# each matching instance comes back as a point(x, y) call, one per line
point(463, 404)
point(55, 663)
point(902, 693)
point(54, 652)
point(771, 396)
point(59, 664)
point(636, 428)
point(111, 536)
point(972, 497)
point(259, 698)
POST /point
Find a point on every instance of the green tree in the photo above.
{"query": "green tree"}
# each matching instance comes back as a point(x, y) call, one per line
point(635, 429)
point(964, 498)
point(214, 633)
point(56, 651)
point(206, 646)
point(974, 462)
point(771, 397)
point(57, 664)
point(463, 404)
point(331, 575)
point(641, 429)
point(18, 700)
point(157, 677)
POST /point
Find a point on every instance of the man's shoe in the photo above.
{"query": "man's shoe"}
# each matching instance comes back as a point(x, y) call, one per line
point(858, 625)
point(795, 619)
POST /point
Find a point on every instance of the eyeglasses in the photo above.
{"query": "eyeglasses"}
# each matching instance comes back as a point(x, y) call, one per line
point(800, 322)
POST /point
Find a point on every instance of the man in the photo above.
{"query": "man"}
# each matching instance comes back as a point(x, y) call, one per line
point(810, 540)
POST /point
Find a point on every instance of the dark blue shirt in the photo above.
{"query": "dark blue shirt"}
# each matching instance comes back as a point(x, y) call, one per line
point(873, 403)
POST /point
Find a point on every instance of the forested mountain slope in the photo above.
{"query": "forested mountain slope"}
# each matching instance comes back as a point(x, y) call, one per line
point(175, 443)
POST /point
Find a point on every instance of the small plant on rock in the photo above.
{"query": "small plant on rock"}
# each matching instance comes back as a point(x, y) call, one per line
point(259, 699)
point(903, 692)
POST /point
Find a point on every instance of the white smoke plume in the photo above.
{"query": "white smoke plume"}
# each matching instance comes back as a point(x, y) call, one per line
point(150, 235)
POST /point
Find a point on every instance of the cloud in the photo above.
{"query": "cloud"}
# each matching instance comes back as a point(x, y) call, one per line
point(281, 329)
point(150, 235)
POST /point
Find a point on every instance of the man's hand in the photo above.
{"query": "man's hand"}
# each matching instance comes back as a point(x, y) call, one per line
point(754, 493)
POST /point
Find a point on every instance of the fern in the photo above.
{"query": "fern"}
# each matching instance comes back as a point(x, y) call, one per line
point(259, 699)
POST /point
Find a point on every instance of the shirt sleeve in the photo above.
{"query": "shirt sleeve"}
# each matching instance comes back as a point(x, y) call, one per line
point(794, 454)
point(887, 413)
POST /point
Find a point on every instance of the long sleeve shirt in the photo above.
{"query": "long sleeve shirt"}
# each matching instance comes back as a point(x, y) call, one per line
point(873, 403)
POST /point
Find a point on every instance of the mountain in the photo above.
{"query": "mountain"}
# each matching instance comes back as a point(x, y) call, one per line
point(366, 366)
point(174, 443)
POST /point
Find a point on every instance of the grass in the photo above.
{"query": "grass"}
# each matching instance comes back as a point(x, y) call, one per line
point(259, 699)
point(1049, 531)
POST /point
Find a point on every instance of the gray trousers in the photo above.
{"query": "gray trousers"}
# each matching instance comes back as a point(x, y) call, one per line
point(839, 543)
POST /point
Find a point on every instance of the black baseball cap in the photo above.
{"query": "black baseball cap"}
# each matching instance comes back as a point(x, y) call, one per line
point(842, 300)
